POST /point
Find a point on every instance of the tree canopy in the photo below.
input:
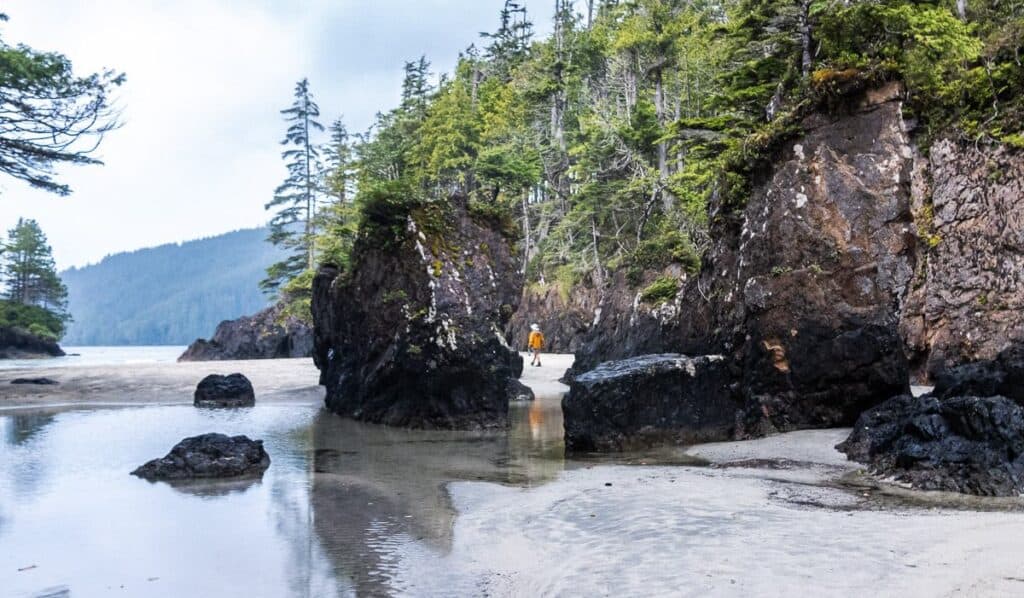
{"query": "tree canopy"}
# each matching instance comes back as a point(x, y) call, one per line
point(49, 115)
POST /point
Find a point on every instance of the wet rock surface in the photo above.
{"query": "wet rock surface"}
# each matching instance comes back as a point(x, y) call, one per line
point(266, 335)
point(18, 344)
point(35, 381)
point(412, 335)
point(233, 390)
point(208, 456)
point(961, 444)
point(1003, 376)
point(650, 400)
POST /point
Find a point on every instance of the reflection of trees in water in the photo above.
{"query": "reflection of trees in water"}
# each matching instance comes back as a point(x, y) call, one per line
point(310, 573)
point(376, 490)
point(20, 428)
point(24, 474)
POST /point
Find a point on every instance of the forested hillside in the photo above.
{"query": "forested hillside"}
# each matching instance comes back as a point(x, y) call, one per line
point(168, 295)
point(603, 144)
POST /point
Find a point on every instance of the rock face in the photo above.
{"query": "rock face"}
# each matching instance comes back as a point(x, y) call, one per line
point(265, 335)
point(961, 444)
point(650, 400)
point(968, 301)
point(413, 335)
point(18, 344)
point(802, 287)
point(1003, 376)
point(208, 456)
point(233, 390)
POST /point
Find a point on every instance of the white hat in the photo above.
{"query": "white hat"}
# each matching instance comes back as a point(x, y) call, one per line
point(534, 327)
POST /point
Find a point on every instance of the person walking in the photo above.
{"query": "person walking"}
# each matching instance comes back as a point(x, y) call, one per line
point(535, 343)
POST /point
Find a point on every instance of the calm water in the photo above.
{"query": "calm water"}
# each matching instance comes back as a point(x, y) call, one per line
point(92, 356)
point(340, 504)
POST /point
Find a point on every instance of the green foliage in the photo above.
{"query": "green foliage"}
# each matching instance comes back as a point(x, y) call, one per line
point(50, 116)
point(662, 290)
point(29, 273)
point(33, 319)
point(668, 246)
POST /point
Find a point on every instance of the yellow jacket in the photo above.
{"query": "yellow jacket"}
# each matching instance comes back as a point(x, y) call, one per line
point(536, 340)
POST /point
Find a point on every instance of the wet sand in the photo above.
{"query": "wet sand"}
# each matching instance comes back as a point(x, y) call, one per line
point(274, 380)
point(420, 513)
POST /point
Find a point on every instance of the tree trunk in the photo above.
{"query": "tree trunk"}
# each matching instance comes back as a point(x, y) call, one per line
point(805, 39)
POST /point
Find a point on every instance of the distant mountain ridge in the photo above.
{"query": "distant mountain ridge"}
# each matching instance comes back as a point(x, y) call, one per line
point(168, 295)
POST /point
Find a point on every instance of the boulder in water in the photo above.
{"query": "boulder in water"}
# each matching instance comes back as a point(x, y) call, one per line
point(966, 444)
point(208, 456)
point(650, 400)
point(36, 381)
point(233, 390)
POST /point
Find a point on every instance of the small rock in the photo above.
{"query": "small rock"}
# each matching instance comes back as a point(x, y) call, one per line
point(233, 390)
point(39, 381)
point(208, 456)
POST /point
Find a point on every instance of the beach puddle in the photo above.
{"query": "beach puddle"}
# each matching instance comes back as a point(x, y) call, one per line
point(355, 509)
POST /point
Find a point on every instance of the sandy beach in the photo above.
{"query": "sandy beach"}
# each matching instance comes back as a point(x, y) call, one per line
point(426, 513)
point(274, 380)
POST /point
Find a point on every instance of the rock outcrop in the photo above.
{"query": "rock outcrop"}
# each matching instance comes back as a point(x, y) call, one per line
point(413, 335)
point(650, 400)
point(967, 303)
point(961, 444)
point(1003, 376)
point(266, 335)
point(802, 287)
point(35, 381)
point(19, 344)
point(233, 390)
point(208, 456)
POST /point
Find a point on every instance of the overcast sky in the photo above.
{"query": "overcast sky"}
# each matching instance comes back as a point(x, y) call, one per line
point(198, 154)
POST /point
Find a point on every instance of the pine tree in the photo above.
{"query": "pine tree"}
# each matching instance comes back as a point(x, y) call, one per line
point(29, 272)
point(48, 115)
point(295, 201)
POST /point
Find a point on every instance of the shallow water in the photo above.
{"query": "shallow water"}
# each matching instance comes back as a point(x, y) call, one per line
point(354, 509)
point(339, 504)
point(93, 356)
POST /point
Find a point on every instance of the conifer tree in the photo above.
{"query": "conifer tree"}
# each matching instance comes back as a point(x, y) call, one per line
point(29, 272)
point(49, 115)
point(293, 225)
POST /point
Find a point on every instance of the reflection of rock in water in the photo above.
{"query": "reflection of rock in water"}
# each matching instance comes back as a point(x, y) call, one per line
point(213, 488)
point(21, 428)
point(377, 489)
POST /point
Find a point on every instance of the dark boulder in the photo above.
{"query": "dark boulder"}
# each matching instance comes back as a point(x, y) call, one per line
point(16, 343)
point(266, 335)
point(208, 456)
point(412, 334)
point(36, 381)
point(1003, 375)
point(650, 400)
point(233, 390)
point(961, 444)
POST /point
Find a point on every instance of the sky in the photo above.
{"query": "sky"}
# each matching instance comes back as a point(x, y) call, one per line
point(198, 153)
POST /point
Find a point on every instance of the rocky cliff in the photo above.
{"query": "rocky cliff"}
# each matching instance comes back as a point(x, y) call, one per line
point(967, 302)
point(855, 262)
point(802, 287)
point(413, 334)
point(18, 344)
point(266, 335)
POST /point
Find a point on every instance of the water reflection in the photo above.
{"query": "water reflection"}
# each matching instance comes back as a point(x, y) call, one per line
point(21, 428)
point(377, 489)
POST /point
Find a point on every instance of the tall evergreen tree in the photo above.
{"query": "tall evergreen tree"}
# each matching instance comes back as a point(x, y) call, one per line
point(49, 115)
point(295, 200)
point(29, 272)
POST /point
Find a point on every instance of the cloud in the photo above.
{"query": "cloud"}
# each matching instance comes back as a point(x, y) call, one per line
point(198, 154)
